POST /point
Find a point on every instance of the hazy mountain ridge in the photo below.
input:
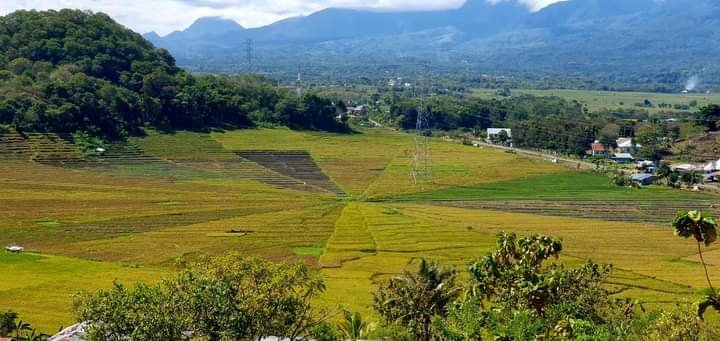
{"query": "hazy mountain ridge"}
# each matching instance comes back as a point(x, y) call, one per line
point(670, 36)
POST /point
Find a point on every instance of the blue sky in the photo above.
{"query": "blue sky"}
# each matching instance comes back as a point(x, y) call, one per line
point(165, 16)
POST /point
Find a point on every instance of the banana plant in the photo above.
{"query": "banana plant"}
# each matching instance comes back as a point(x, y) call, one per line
point(703, 228)
point(20, 328)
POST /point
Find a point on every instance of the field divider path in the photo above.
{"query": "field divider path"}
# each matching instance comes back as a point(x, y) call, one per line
point(351, 239)
point(386, 169)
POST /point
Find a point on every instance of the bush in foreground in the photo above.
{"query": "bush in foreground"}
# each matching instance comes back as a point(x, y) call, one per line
point(223, 298)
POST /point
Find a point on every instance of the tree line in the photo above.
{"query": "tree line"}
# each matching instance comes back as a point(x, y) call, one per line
point(68, 71)
point(550, 123)
point(547, 123)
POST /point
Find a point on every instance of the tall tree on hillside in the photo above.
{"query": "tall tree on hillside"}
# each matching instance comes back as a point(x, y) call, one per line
point(654, 143)
point(709, 116)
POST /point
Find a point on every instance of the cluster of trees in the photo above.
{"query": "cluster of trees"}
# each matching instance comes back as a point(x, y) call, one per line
point(513, 293)
point(549, 123)
point(12, 327)
point(68, 71)
point(709, 117)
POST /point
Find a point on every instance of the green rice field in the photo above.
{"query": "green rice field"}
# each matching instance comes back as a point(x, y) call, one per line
point(597, 101)
point(343, 204)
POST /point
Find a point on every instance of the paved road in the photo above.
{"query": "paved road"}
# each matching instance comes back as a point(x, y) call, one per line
point(374, 122)
point(578, 164)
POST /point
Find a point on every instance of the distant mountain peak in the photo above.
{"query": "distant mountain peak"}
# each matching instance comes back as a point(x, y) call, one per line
point(153, 37)
point(213, 25)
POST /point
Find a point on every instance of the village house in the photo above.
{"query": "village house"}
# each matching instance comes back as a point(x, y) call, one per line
point(600, 150)
point(684, 168)
point(711, 171)
point(500, 135)
point(623, 158)
point(360, 110)
point(626, 145)
point(644, 179)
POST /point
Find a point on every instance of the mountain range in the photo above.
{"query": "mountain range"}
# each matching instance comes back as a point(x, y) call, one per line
point(657, 43)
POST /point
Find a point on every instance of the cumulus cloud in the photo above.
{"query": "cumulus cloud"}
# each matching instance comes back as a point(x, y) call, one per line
point(164, 16)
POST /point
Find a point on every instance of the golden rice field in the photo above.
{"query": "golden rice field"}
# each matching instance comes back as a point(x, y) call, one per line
point(133, 214)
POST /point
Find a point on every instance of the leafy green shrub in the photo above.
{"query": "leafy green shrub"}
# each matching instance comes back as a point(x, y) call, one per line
point(514, 294)
point(220, 298)
point(141, 313)
point(7, 322)
point(680, 325)
point(324, 332)
point(621, 179)
point(88, 144)
point(392, 332)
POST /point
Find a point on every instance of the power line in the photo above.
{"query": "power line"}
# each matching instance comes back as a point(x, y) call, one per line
point(249, 55)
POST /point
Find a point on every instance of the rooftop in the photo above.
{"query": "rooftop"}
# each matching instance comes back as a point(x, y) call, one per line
point(641, 177)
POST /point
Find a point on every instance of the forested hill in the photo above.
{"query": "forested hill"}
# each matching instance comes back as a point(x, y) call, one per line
point(68, 71)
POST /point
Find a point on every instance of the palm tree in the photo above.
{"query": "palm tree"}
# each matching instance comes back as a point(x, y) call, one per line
point(413, 299)
point(704, 229)
point(34, 335)
point(353, 327)
point(20, 328)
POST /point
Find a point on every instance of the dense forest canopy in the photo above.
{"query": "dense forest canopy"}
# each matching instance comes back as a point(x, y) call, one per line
point(67, 71)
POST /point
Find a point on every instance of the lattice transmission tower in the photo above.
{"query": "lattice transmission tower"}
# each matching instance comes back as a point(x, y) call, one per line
point(422, 173)
point(299, 83)
point(249, 55)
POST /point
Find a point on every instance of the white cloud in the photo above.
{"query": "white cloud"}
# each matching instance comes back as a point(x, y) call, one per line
point(165, 16)
point(532, 4)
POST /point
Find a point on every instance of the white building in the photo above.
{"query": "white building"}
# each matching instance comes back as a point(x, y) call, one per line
point(626, 145)
point(712, 167)
point(494, 133)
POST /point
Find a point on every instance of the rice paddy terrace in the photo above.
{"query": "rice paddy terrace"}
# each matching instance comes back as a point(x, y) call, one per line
point(341, 203)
